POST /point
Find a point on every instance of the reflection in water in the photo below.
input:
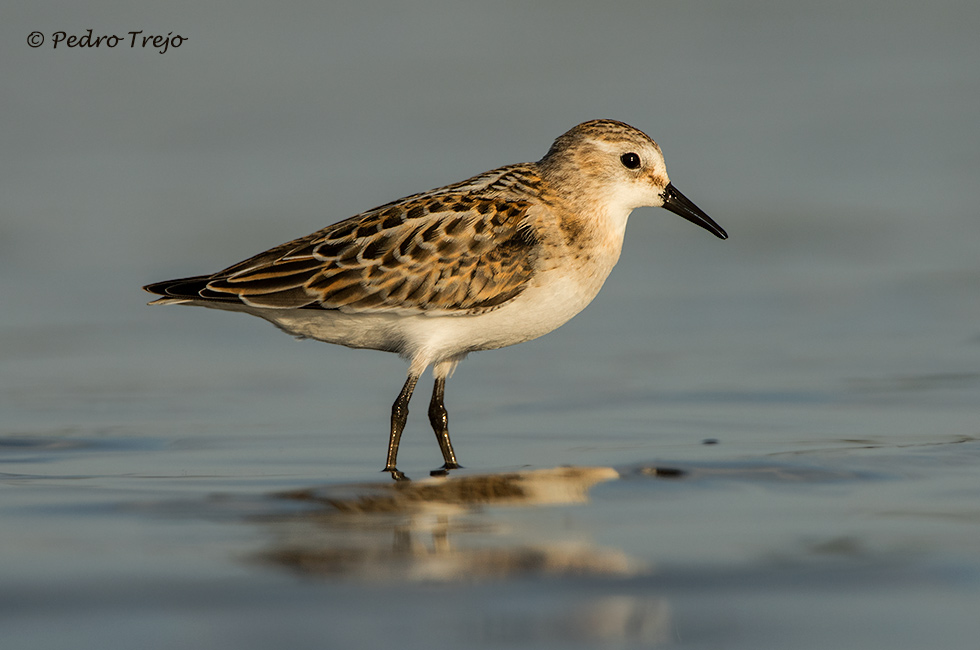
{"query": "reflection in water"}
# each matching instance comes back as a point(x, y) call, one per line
point(468, 529)
point(498, 528)
point(443, 529)
point(635, 619)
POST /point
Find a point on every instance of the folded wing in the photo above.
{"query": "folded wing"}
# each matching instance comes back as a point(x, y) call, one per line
point(450, 252)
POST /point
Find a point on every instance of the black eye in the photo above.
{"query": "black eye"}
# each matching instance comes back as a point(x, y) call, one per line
point(630, 160)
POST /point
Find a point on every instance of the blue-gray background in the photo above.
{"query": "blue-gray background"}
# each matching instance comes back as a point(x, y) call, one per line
point(838, 330)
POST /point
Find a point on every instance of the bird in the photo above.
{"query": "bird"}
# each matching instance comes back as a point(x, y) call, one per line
point(491, 261)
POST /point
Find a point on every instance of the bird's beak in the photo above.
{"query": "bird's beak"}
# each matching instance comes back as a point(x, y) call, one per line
point(682, 206)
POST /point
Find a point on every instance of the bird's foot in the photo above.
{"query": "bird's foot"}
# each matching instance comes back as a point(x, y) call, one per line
point(444, 470)
point(396, 474)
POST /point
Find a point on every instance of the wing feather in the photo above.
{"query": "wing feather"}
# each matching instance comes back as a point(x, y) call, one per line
point(467, 248)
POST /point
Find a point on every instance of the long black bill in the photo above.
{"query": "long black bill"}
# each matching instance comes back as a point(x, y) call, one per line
point(682, 206)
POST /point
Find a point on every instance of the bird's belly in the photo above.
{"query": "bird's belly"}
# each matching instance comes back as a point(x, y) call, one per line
point(547, 304)
point(540, 309)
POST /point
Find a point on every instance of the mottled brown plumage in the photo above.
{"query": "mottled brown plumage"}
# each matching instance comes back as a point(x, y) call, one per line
point(498, 259)
point(466, 248)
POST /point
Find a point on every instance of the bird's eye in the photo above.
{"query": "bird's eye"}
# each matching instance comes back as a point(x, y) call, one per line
point(630, 160)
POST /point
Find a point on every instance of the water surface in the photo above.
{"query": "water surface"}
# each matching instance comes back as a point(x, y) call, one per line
point(771, 441)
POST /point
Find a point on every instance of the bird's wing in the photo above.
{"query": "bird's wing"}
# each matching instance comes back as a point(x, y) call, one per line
point(454, 250)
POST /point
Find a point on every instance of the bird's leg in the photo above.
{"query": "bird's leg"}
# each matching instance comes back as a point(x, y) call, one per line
point(399, 415)
point(440, 424)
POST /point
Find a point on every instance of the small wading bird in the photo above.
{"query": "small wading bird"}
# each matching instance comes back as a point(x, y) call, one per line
point(498, 259)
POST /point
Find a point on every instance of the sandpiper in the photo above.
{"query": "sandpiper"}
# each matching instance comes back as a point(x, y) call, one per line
point(501, 258)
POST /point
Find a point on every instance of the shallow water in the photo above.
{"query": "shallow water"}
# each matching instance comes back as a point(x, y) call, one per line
point(772, 441)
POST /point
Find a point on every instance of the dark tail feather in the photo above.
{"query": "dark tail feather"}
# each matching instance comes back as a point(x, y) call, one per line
point(195, 288)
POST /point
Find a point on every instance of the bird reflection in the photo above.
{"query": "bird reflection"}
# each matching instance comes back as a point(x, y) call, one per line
point(445, 529)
